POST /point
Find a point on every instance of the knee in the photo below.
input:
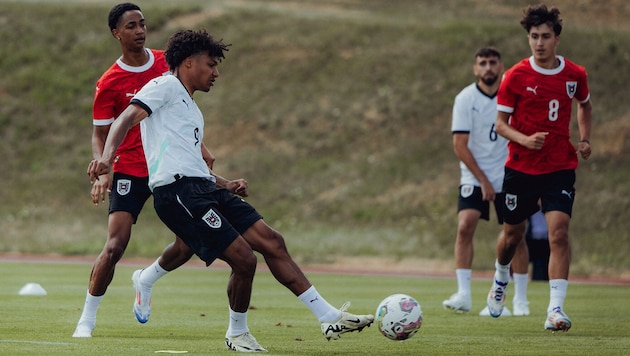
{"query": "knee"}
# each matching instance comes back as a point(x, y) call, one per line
point(465, 231)
point(113, 251)
point(271, 244)
point(277, 241)
point(246, 265)
point(559, 238)
point(183, 251)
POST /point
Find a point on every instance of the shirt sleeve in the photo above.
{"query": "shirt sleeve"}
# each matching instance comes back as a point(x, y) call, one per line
point(506, 96)
point(461, 121)
point(583, 94)
point(104, 107)
point(155, 94)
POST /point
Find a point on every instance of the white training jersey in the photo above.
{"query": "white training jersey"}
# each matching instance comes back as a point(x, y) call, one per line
point(172, 133)
point(475, 113)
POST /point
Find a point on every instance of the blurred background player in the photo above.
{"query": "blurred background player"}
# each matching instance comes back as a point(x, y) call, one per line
point(537, 238)
point(482, 154)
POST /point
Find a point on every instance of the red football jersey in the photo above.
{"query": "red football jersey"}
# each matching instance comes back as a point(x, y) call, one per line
point(114, 90)
point(540, 100)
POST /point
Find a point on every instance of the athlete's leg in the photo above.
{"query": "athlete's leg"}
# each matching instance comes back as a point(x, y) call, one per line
point(119, 234)
point(467, 220)
point(559, 245)
point(509, 240)
point(464, 247)
point(270, 243)
point(520, 275)
point(241, 258)
point(174, 255)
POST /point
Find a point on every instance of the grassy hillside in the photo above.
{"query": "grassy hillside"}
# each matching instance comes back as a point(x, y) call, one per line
point(337, 112)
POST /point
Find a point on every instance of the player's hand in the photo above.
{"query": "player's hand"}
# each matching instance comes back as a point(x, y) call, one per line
point(238, 187)
point(487, 191)
point(535, 141)
point(97, 169)
point(100, 187)
point(584, 149)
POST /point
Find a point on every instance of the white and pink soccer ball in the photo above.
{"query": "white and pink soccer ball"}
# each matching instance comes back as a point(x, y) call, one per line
point(399, 317)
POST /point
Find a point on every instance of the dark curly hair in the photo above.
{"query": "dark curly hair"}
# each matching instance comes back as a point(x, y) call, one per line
point(186, 43)
point(117, 12)
point(536, 15)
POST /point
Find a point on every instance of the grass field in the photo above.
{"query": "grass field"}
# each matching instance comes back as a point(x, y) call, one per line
point(190, 314)
point(337, 112)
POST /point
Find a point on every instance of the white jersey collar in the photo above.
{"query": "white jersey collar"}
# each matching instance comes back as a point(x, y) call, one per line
point(140, 69)
point(545, 71)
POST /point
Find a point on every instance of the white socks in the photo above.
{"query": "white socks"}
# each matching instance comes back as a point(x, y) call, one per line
point(88, 316)
point(520, 286)
point(319, 306)
point(463, 281)
point(502, 273)
point(557, 293)
point(238, 324)
point(151, 274)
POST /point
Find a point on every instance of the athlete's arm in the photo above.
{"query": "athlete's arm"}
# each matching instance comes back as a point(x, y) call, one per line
point(533, 142)
point(237, 186)
point(102, 185)
point(584, 126)
point(208, 157)
point(131, 116)
point(460, 146)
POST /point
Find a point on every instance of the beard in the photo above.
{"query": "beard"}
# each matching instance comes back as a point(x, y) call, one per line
point(489, 81)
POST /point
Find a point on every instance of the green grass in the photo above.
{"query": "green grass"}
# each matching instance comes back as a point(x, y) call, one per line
point(336, 111)
point(190, 313)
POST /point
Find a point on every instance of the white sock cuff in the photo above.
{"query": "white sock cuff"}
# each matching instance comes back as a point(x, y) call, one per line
point(159, 268)
point(560, 284)
point(304, 296)
point(501, 267)
point(96, 298)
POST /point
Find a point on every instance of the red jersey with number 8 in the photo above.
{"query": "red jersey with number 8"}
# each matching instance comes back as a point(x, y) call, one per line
point(540, 100)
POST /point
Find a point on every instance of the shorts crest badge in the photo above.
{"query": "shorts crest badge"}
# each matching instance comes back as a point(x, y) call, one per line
point(123, 187)
point(510, 201)
point(466, 190)
point(212, 219)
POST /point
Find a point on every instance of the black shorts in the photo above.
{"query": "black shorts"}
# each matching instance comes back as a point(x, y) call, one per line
point(208, 219)
point(522, 192)
point(129, 194)
point(470, 197)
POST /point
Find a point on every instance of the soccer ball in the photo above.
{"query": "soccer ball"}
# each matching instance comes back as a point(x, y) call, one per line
point(399, 317)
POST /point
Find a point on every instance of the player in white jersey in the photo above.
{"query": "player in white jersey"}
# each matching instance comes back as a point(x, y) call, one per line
point(198, 205)
point(482, 154)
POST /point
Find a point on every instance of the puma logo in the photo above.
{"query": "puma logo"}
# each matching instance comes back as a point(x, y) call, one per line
point(533, 90)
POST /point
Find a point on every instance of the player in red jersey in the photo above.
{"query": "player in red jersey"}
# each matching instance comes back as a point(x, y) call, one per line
point(114, 90)
point(534, 112)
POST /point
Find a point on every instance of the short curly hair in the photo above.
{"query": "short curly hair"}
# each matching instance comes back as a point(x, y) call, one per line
point(186, 43)
point(536, 15)
point(116, 13)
